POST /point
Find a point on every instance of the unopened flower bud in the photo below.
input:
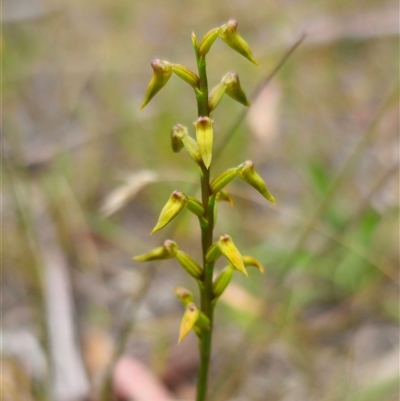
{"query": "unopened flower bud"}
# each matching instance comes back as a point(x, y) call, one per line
point(203, 322)
point(247, 173)
point(215, 96)
point(187, 75)
point(251, 261)
point(207, 41)
point(176, 202)
point(167, 251)
point(230, 36)
point(229, 250)
point(194, 41)
point(181, 138)
point(184, 295)
point(223, 179)
point(162, 71)
point(197, 330)
point(190, 265)
point(188, 321)
point(178, 132)
point(213, 253)
point(222, 281)
point(195, 206)
point(204, 136)
point(192, 148)
point(233, 88)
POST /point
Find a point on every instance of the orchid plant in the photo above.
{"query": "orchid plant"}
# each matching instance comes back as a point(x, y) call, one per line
point(199, 318)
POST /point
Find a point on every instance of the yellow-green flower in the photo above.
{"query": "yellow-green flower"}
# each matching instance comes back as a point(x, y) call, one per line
point(167, 251)
point(176, 202)
point(204, 136)
point(229, 34)
point(247, 173)
point(162, 71)
point(229, 250)
point(188, 321)
point(234, 89)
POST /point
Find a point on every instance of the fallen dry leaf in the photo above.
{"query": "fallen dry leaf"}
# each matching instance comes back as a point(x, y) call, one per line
point(133, 380)
point(238, 298)
point(97, 350)
point(263, 115)
point(120, 196)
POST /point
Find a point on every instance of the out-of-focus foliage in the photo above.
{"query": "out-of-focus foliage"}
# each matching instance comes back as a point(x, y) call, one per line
point(322, 323)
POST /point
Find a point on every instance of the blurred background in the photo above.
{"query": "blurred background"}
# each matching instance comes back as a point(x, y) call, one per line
point(85, 174)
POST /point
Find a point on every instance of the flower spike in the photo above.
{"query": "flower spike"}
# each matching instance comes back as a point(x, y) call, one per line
point(162, 71)
point(199, 146)
point(228, 33)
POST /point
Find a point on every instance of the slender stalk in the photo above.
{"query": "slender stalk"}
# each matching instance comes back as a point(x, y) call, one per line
point(206, 240)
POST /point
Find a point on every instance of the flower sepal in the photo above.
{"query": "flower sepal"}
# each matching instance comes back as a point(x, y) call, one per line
point(188, 321)
point(251, 261)
point(167, 251)
point(229, 250)
point(234, 89)
point(162, 71)
point(222, 281)
point(229, 34)
point(176, 202)
point(222, 180)
point(184, 295)
point(205, 136)
point(187, 75)
point(248, 174)
point(207, 41)
point(189, 264)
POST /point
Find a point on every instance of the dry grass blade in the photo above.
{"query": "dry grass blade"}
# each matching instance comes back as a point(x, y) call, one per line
point(120, 196)
point(70, 379)
point(233, 128)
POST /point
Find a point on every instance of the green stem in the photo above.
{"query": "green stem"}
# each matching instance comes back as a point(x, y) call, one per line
point(202, 100)
point(206, 240)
